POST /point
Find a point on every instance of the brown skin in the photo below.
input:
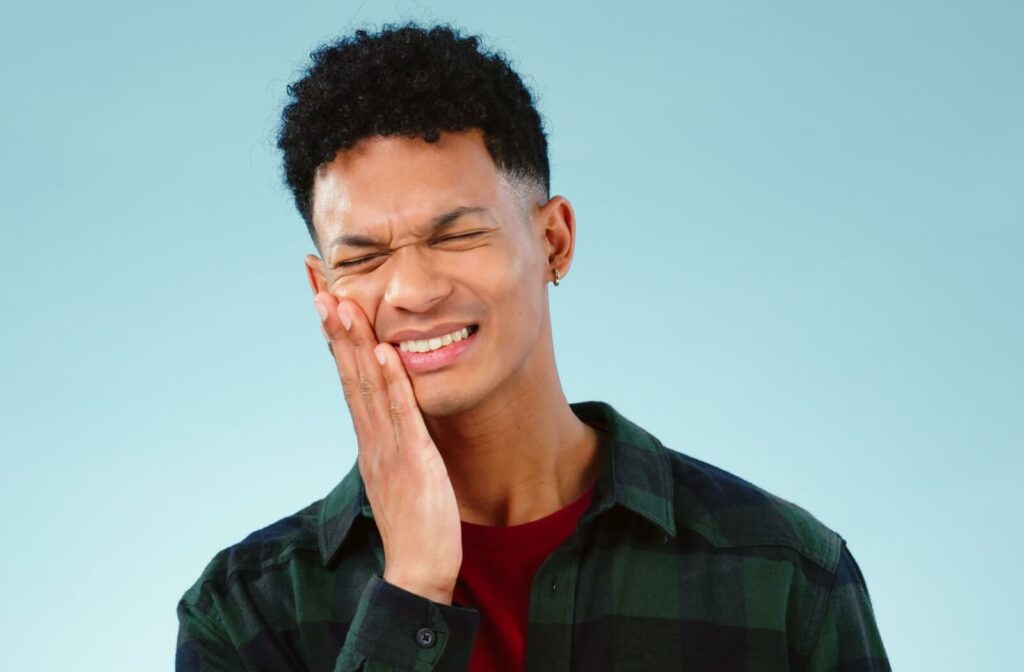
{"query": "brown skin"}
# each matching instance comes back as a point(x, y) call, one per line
point(511, 448)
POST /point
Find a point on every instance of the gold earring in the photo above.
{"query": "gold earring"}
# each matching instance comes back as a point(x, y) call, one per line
point(557, 277)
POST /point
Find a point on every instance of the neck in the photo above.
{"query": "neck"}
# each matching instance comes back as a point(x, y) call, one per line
point(523, 453)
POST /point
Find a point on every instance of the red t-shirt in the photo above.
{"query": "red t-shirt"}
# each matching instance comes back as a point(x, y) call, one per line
point(498, 565)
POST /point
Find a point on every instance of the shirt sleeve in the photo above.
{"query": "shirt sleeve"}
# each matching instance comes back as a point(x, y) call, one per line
point(394, 629)
point(847, 637)
point(202, 646)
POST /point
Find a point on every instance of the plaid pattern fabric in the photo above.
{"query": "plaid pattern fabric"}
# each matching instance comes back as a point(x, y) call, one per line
point(676, 565)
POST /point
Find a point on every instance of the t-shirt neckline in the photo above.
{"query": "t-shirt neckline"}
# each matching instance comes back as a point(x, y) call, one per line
point(526, 535)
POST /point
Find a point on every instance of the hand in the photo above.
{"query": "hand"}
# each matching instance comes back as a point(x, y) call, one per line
point(406, 480)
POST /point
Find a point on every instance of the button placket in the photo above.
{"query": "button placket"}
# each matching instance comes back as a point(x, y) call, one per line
point(552, 602)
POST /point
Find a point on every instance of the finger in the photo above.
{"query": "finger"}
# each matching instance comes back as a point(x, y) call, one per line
point(410, 431)
point(371, 385)
point(345, 360)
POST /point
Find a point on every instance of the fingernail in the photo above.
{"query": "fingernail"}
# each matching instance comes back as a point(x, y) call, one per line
point(346, 321)
point(320, 309)
point(380, 355)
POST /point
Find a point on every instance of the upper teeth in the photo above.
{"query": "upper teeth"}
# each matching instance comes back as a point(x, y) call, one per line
point(429, 344)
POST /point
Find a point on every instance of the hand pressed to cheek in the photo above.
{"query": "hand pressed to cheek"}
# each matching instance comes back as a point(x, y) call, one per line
point(321, 302)
point(377, 388)
point(372, 389)
point(390, 430)
point(345, 317)
point(340, 342)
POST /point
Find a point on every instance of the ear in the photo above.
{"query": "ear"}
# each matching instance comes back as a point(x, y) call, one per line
point(558, 223)
point(315, 273)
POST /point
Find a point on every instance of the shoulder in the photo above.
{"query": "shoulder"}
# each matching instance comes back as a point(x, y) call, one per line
point(730, 512)
point(266, 550)
point(726, 511)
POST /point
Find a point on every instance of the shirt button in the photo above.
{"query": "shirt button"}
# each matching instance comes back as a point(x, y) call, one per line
point(425, 637)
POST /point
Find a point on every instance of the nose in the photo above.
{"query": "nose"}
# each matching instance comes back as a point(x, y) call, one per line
point(415, 284)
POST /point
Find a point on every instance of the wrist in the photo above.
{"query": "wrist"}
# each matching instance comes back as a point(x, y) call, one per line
point(434, 591)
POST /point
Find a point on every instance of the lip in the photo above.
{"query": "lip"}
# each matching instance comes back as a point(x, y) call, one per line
point(423, 362)
point(413, 335)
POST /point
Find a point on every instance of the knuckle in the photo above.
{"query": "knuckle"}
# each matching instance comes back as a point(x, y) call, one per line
point(368, 472)
point(366, 465)
point(366, 388)
point(350, 388)
point(397, 411)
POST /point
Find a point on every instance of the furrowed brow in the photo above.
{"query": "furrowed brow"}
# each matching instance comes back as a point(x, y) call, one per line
point(437, 225)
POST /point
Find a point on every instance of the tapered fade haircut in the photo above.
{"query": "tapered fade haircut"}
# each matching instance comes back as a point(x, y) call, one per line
point(414, 81)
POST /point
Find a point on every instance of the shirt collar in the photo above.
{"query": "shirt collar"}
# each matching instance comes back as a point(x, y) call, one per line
point(636, 475)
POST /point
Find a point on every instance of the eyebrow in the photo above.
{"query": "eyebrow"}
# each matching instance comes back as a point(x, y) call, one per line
point(438, 224)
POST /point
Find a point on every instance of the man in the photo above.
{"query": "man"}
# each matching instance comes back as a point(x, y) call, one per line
point(488, 524)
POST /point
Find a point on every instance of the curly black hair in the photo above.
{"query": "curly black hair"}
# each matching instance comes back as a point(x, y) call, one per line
point(413, 81)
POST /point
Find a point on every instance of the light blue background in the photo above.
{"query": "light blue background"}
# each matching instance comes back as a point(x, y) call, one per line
point(800, 238)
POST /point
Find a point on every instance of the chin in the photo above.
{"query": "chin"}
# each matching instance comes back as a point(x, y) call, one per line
point(443, 405)
point(442, 400)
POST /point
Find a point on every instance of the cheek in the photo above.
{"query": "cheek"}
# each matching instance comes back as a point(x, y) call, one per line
point(509, 285)
point(362, 293)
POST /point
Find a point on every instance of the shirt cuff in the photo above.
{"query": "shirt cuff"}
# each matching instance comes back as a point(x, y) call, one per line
point(399, 629)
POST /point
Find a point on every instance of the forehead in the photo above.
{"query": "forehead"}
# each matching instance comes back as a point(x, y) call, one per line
point(396, 182)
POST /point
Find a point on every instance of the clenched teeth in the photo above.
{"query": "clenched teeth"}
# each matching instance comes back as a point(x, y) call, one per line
point(434, 343)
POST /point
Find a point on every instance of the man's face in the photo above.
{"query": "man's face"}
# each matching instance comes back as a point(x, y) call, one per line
point(377, 209)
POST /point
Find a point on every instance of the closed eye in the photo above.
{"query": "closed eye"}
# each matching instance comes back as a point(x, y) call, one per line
point(461, 235)
point(362, 260)
point(355, 262)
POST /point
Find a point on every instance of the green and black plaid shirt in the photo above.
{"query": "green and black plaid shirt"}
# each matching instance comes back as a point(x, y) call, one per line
point(676, 565)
